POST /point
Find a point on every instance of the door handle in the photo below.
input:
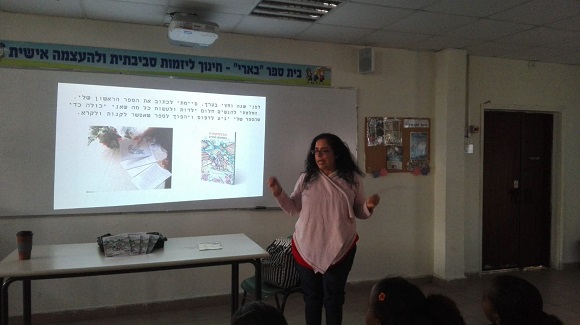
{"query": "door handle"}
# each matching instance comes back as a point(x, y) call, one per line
point(515, 192)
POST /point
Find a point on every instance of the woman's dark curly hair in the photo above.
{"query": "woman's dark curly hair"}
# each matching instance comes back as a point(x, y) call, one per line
point(345, 163)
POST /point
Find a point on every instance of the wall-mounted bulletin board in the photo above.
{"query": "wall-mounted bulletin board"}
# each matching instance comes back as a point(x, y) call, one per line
point(397, 144)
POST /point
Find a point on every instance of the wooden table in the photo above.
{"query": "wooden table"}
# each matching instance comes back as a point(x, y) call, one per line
point(81, 260)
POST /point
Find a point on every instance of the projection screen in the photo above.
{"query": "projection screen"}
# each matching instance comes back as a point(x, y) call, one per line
point(78, 143)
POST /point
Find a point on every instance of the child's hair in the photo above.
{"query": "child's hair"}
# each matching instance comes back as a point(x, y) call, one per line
point(517, 301)
point(443, 310)
point(258, 313)
point(396, 301)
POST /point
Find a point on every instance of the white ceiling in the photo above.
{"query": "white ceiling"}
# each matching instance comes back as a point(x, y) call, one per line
point(536, 30)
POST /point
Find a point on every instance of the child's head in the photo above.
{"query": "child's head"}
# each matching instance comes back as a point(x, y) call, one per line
point(258, 313)
point(443, 310)
point(513, 300)
point(395, 301)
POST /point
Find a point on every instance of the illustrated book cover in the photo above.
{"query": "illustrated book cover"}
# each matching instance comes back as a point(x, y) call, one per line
point(218, 157)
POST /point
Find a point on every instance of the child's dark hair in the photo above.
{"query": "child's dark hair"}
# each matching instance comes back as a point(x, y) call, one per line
point(398, 302)
point(517, 301)
point(443, 310)
point(258, 313)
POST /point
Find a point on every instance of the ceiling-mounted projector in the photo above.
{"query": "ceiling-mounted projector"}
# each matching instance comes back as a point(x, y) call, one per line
point(188, 30)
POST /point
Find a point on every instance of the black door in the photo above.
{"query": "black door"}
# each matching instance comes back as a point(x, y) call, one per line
point(516, 189)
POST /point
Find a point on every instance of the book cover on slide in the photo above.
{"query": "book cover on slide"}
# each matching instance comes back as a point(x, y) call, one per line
point(218, 157)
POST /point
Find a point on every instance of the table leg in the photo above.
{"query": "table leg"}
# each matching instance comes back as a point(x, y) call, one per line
point(235, 284)
point(26, 301)
point(1, 306)
point(258, 273)
point(4, 298)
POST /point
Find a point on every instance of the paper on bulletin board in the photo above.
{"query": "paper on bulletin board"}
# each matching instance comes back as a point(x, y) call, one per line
point(383, 131)
point(395, 157)
point(416, 123)
point(375, 131)
point(418, 146)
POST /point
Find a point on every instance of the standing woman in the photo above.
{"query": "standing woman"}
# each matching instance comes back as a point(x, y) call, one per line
point(328, 197)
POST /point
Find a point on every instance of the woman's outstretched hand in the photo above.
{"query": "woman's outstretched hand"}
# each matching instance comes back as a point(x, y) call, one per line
point(274, 186)
point(373, 201)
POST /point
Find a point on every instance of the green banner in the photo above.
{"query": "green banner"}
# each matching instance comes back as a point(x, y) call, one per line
point(92, 59)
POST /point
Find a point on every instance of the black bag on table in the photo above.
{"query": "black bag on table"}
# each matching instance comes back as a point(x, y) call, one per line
point(278, 269)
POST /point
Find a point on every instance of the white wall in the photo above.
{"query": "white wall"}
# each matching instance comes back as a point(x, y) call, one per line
point(397, 240)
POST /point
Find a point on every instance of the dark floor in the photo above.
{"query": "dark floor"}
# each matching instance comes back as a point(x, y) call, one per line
point(560, 290)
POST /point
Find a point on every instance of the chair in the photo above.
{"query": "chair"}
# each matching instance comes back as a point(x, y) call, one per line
point(268, 290)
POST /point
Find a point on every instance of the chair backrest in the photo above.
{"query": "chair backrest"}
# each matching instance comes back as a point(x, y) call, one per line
point(268, 290)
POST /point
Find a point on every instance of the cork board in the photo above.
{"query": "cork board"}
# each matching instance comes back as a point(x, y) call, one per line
point(397, 144)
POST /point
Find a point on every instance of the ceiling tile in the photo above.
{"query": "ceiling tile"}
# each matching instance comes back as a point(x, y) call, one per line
point(437, 43)
point(363, 16)
point(393, 39)
point(430, 23)
point(226, 19)
point(408, 4)
point(333, 34)
point(487, 29)
point(493, 49)
point(226, 22)
point(540, 12)
point(473, 8)
point(68, 8)
point(148, 2)
point(571, 23)
point(243, 7)
point(538, 36)
point(285, 28)
point(117, 11)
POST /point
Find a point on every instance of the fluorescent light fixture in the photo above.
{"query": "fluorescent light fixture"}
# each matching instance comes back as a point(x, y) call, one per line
point(306, 10)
